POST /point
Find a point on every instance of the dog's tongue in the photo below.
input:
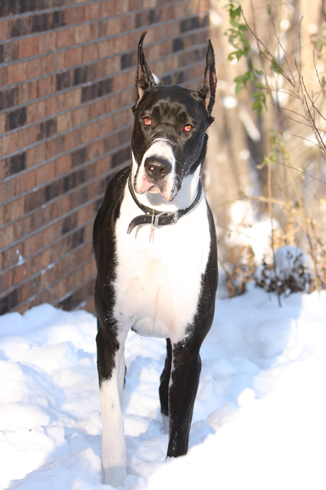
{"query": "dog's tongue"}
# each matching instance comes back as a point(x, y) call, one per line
point(148, 186)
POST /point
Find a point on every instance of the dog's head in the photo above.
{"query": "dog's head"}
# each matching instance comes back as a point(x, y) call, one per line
point(169, 138)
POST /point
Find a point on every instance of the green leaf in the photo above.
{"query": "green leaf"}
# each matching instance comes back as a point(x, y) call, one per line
point(243, 28)
point(246, 50)
point(269, 9)
point(257, 105)
point(257, 95)
point(264, 163)
point(260, 85)
point(319, 46)
point(275, 66)
point(251, 76)
point(273, 157)
point(259, 72)
point(234, 23)
point(235, 12)
point(239, 87)
point(239, 78)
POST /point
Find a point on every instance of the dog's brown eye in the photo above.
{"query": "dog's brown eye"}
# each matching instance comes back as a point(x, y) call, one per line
point(147, 121)
point(187, 128)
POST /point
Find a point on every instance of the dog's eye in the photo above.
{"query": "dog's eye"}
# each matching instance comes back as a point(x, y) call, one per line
point(187, 128)
point(147, 121)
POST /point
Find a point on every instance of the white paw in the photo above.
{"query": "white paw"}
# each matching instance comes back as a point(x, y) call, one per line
point(115, 475)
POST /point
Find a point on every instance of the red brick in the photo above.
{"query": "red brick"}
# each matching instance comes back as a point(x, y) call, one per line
point(35, 112)
point(3, 30)
point(54, 62)
point(24, 182)
point(27, 92)
point(10, 256)
point(2, 123)
point(47, 42)
point(55, 146)
point(74, 15)
point(5, 281)
point(36, 155)
point(7, 236)
point(27, 136)
point(34, 68)
point(46, 86)
point(3, 75)
point(82, 115)
point(73, 57)
point(65, 38)
point(16, 73)
point(51, 105)
point(9, 143)
point(19, 274)
point(91, 11)
point(82, 34)
point(62, 165)
point(72, 139)
point(90, 52)
point(44, 174)
point(28, 47)
point(107, 9)
point(13, 210)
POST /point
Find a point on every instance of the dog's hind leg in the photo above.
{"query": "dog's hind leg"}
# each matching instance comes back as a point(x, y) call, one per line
point(164, 387)
point(110, 362)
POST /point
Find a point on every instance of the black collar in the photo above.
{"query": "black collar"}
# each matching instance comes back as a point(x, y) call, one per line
point(156, 218)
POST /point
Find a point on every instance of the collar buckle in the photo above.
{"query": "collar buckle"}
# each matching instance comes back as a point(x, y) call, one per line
point(175, 218)
point(156, 218)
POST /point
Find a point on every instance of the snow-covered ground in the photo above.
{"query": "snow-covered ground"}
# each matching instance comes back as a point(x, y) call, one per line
point(259, 419)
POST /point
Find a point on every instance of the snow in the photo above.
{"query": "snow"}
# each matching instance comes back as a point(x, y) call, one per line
point(259, 418)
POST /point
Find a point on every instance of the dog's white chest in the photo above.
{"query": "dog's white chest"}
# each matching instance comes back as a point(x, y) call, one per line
point(158, 283)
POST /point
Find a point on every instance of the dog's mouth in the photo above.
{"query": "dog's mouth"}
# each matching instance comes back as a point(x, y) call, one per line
point(152, 188)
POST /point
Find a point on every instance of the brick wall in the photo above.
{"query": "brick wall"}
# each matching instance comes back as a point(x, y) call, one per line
point(67, 78)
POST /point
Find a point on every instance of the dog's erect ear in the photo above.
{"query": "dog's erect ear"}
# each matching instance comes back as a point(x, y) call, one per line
point(145, 77)
point(208, 87)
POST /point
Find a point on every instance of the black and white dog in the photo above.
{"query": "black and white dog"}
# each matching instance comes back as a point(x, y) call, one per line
point(155, 248)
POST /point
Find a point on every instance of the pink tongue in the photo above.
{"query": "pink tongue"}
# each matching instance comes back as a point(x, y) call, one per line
point(145, 186)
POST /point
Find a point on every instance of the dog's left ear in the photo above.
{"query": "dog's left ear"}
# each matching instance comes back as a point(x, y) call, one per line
point(145, 77)
point(208, 87)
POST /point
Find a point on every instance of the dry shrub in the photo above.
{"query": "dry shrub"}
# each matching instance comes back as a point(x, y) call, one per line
point(285, 79)
point(239, 267)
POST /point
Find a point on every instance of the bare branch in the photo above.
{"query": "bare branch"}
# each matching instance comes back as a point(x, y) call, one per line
point(305, 139)
point(297, 169)
point(285, 57)
point(270, 57)
point(317, 73)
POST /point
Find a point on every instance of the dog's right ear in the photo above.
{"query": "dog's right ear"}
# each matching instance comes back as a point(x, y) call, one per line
point(145, 78)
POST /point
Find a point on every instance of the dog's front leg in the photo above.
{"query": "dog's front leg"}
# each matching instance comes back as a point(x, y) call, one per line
point(110, 363)
point(186, 367)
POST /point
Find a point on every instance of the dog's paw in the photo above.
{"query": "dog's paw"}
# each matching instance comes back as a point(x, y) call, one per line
point(114, 476)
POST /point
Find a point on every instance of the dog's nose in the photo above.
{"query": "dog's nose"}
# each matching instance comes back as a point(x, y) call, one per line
point(157, 168)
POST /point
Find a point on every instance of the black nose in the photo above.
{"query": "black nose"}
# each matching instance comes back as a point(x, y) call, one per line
point(157, 168)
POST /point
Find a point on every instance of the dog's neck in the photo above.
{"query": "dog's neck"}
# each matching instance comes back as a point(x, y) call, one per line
point(182, 200)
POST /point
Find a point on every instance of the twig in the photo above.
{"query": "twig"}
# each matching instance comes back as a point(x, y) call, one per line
point(297, 169)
